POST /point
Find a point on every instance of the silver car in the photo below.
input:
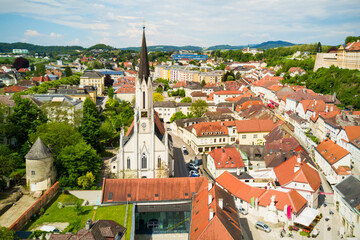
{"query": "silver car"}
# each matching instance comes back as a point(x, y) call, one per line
point(262, 226)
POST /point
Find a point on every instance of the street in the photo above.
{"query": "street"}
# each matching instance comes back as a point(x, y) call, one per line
point(180, 169)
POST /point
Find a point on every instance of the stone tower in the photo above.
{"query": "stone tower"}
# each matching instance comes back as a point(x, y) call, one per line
point(40, 170)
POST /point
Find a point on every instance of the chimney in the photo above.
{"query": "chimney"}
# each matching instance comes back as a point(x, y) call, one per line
point(221, 203)
point(314, 113)
point(331, 108)
point(210, 198)
point(211, 214)
point(238, 171)
point(326, 108)
point(88, 224)
point(298, 160)
point(209, 186)
point(315, 102)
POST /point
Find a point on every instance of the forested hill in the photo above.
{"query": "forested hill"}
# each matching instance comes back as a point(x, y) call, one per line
point(8, 47)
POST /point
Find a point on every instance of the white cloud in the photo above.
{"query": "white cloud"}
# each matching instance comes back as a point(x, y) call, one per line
point(31, 33)
point(194, 22)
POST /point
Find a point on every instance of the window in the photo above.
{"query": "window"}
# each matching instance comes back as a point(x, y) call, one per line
point(110, 196)
point(128, 163)
point(32, 172)
point(114, 167)
point(243, 136)
point(255, 135)
point(233, 139)
point(144, 161)
point(159, 162)
point(214, 140)
point(270, 150)
point(143, 99)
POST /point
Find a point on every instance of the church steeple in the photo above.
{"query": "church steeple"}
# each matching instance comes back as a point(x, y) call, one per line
point(144, 71)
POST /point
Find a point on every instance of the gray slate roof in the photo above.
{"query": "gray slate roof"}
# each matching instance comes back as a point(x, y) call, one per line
point(38, 151)
point(350, 189)
point(92, 74)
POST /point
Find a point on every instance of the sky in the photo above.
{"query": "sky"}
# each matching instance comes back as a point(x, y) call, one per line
point(118, 23)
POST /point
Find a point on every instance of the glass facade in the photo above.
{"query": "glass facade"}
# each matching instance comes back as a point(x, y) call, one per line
point(162, 222)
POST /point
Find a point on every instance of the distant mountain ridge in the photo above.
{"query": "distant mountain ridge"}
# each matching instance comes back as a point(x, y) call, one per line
point(8, 47)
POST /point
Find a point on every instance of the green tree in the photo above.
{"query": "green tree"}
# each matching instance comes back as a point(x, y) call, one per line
point(108, 81)
point(40, 69)
point(237, 76)
point(7, 234)
point(177, 115)
point(351, 39)
point(157, 97)
point(76, 161)
point(203, 83)
point(199, 107)
point(107, 132)
point(79, 209)
point(159, 90)
point(111, 92)
point(90, 123)
point(25, 118)
point(68, 71)
point(186, 100)
point(58, 135)
point(86, 181)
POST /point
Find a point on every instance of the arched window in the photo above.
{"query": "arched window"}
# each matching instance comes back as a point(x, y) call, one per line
point(128, 163)
point(159, 162)
point(144, 161)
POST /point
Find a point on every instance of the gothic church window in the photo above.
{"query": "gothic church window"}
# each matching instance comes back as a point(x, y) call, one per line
point(144, 161)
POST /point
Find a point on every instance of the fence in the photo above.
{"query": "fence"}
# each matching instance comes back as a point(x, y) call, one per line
point(43, 200)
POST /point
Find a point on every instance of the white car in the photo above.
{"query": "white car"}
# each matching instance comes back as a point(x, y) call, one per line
point(243, 211)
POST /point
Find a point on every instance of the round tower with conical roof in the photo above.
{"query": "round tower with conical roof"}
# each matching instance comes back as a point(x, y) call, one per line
point(40, 170)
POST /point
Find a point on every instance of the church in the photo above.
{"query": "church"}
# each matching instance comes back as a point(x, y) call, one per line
point(146, 149)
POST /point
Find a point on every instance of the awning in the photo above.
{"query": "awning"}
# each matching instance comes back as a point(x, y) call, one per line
point(307, 216)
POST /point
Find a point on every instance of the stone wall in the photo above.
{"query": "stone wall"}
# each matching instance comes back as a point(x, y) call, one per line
point(43, 200)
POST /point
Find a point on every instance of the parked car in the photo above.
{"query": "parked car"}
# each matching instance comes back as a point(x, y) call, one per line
point(185, 150)
point(47, 228)
point(315, 233)
point(243, 211)
point(262, 226)
point(194, 173)
point(193, 166)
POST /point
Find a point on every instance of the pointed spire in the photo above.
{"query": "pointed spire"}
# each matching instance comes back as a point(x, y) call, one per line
point(38, 151)
point(144, 71)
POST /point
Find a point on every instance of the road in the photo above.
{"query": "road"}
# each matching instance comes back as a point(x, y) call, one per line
point(180, 169)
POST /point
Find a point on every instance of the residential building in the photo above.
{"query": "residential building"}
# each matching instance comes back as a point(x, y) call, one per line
point(93, 78)
point(300, 176)
point(293, 71)
point(347, 199)
point(273, 205)
point(225, 159)
point(334, 160)
point(99, 230)
point(14, 89)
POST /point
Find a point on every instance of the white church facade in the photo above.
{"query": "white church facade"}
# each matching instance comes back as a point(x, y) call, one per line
point(145, 150)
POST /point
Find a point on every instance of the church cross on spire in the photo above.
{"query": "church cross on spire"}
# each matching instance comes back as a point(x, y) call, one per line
point(144, 71)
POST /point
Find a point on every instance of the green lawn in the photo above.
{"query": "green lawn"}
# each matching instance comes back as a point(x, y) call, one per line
point(76, 222)
point(117, 214)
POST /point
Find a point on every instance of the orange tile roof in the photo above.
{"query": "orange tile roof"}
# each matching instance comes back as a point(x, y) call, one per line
point(150, 189)
point(212, 128)
point(245, 192)
point(352, 132)
point(331, 151)
point(343, 170)
point(238, 98)
point(243, 126)
point(180, 84)
point(296, 69)
point(225, 223)
point(225, 92)
point(306, 174)
point(227, 158)
point(353, 46)
point(210, 97)
point(248, 104)
point(14, 89)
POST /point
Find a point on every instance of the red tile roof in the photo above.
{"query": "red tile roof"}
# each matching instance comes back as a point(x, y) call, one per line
point(243, 126)
point(285, 173)
point(248, 104)
point(151, 189)
point(228, 92)
point(227, 158)
point(296, 69)
point(14, 89)
point(180, 84)
point(212, 128)
point(331, 151)
point(42, 79)
point(225, 223)
point(352, 132)
point(245, 192)
point(353, 46)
